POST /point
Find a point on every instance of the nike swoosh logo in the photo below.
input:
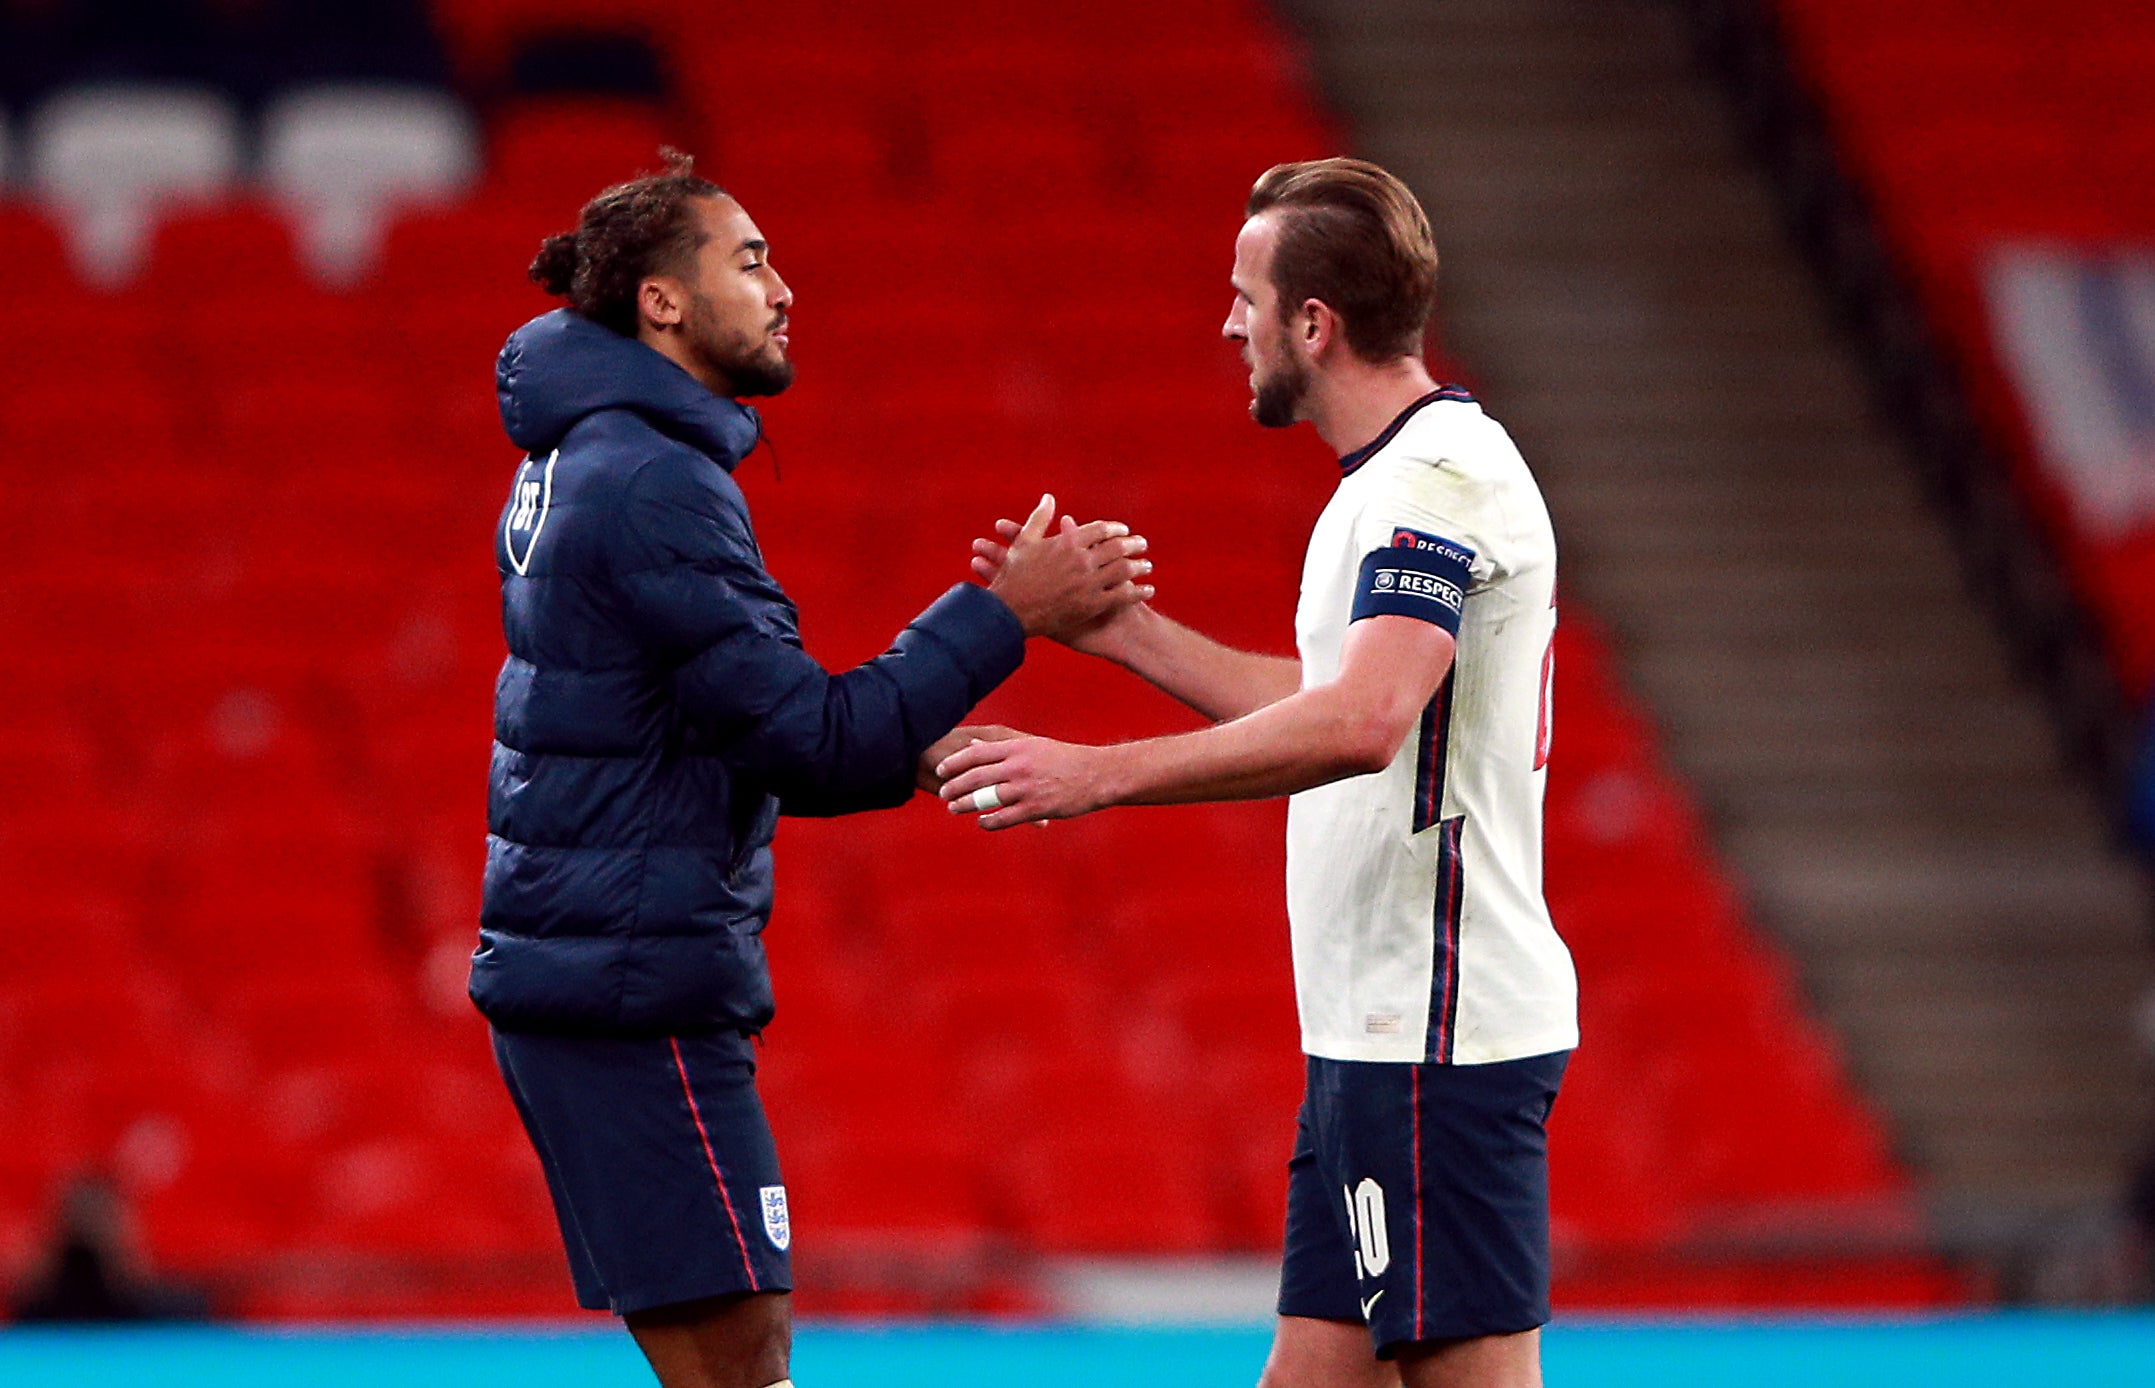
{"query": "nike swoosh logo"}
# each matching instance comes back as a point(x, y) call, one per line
point(1371, 1302)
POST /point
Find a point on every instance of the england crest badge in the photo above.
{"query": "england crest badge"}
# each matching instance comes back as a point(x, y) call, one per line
point(775, 1222)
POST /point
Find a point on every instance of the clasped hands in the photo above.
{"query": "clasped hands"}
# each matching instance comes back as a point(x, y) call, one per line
point(1074, 586)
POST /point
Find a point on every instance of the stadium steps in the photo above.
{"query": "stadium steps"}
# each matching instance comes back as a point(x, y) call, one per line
point(1617, 283)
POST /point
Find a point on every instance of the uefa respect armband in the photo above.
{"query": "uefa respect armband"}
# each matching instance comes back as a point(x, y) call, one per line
point(1416, 575)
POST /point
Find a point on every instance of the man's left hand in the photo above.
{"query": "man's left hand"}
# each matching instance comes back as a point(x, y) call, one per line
point(1035, 778)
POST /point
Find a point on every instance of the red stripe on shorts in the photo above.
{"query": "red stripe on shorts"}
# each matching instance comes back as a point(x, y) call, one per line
point(1414, 1080)
point(712, 1157)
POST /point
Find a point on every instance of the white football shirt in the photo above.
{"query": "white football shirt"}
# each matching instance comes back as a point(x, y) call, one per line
point(1414, 894)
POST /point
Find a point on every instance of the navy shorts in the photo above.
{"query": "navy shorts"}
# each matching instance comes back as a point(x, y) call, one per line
point(660, 1162)
point(1418, 1198)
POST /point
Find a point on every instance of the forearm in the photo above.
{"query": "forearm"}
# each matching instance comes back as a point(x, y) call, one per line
point(1390, 668)
point(828, 744)
point(1218, 681)
point(1309, 738)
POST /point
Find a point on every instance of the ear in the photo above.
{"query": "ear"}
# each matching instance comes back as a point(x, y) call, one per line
point(659, 301)
point(1316, 327)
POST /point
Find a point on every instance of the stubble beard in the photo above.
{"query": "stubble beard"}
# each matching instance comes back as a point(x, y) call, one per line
point(1277, 401)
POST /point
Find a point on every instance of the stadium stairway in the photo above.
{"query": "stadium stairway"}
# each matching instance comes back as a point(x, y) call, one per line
point(1777, 590)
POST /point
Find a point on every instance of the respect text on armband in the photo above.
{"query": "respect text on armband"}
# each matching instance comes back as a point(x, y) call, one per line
point(1412, 583)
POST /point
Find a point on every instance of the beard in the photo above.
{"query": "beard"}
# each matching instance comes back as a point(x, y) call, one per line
point(1277, 400)
point(750, 365)
point(766, 373)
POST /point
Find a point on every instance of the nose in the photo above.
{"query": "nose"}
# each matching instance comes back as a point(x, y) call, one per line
point(1233, 329)
point(782, 295)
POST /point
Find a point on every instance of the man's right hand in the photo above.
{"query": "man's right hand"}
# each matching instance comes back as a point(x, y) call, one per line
point(949, 744)
point(1063, 583)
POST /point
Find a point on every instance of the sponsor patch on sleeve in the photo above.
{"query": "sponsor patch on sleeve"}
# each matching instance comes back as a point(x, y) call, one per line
point(1416, 575)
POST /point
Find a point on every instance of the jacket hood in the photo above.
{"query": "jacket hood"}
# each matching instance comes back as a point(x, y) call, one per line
point(561, 366)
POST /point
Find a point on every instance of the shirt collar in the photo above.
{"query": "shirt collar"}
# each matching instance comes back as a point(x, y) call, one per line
point(1349, 462)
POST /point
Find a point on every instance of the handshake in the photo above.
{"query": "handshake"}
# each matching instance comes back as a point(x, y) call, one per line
point(1068, 584)
point(1077, 584)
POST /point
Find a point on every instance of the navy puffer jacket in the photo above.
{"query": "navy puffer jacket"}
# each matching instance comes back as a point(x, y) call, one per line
point(657, 713)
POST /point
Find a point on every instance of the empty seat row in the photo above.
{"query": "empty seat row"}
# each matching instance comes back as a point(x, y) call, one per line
point(113, 202)
point(341, 158)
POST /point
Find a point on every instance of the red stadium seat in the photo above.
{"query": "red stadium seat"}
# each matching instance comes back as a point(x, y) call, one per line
point(222, 252)
point(438, 265)
point(227, 279)
point(1106, 26)
point(2121, 161)
point(785, 173)
point(1203, 82)
point(240, 905)
point(1229, 1011)
point(907, 1181)
point(1896, 77)
point(1205, 168)
point(481, 34)
point(559, 152)
point(42, 277)
point(989, 82)
point(291, 1016)
point(1139, 1187)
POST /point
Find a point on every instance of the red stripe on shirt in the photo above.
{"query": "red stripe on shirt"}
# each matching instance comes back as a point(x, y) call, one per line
point(1451, 937)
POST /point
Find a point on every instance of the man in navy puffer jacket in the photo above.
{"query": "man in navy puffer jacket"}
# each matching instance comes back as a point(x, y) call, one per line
point(654, 718)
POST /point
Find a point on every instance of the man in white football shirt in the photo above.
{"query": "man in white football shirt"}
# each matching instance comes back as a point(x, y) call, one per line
point(1438, 1006)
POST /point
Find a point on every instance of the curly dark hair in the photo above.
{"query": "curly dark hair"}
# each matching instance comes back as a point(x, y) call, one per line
point(633, 229)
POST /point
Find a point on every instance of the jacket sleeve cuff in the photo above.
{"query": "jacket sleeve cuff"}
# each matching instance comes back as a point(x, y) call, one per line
point(980, 632)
